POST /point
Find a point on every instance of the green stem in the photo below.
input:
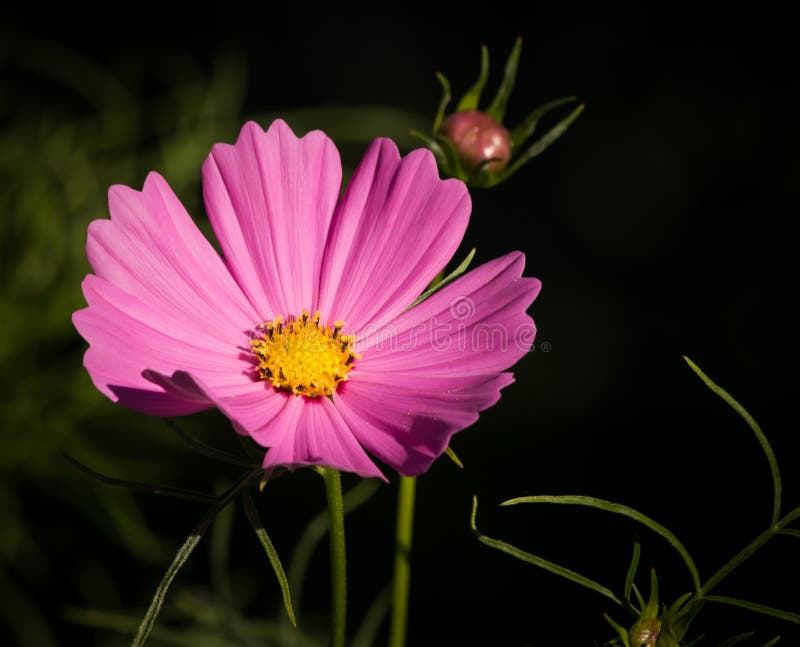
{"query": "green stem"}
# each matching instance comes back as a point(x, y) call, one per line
point(333, 490)
point(747, 551)
point(402, 562)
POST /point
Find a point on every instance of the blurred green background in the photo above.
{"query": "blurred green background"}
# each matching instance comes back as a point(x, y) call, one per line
point(660, 225)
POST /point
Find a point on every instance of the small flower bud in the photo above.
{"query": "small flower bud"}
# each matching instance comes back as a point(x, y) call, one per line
point(472, 144)
point(645, 632)
point(478, 138)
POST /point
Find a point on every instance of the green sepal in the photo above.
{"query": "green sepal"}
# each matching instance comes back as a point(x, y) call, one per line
point(638, 595)
point(544, 142)
point(437, 122)
point(255, 520)
point(630, 575)
point(472, 97)
point(651, 610)
point(462, 267)
point(452, 456)
point(621, 631)
point(497, 109)
point(524, 130)
point(452, 160)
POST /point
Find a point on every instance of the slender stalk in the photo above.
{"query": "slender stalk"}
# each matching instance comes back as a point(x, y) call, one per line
point(747, 551)
point(333, 490)
point(402, 562)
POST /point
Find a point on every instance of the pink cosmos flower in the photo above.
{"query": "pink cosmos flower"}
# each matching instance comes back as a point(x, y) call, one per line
point(303, 335)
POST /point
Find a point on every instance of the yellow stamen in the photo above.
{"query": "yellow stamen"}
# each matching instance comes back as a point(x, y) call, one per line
point(303, 357)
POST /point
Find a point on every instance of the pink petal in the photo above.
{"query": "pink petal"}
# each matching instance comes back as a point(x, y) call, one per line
point(151, 249)
point(270, 199)
point(251, 406)
point(314, 433)
point(407, 421)
point(426, 375)
point(396, 227)
point(477, 325)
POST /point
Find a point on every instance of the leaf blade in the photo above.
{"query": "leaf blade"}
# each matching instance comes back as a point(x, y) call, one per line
point(255, 520)
point(622, 510)
point(542, 563)
point(472, 97)
point(763, 609)
point(497, 109)
point(756, 429)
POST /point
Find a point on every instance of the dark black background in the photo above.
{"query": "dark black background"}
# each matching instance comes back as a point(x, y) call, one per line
point(662, 224)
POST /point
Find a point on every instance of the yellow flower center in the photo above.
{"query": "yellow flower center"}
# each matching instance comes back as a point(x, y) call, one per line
point(302, 357)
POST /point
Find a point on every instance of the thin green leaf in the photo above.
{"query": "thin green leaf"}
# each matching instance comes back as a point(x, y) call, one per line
point(756, 429)
point(183, 554)
point(452, 456)
point(676, 606)
point(621, 631)
point(261, 532)
point(452, 160)
point(521, 133)
point(638, 595)
point(623, 510)
point(651, 610)
point(763, 609)
point(696, 641)
point(542, 563)
point(686, 616)
point(791, 532)
point(544, 142)
point(772, 642)
point(632, 568)
point(462, 267)
point(433, 145)
point(161, 490)
point(472, 97)
point(206, 449)
point(373, 619)
point(735, 640)
point(497, 109)
point(437, 122)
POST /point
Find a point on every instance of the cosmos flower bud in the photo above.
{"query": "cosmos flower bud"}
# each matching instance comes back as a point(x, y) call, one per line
point(473, 145)
point(479, 139)
point(645, 632)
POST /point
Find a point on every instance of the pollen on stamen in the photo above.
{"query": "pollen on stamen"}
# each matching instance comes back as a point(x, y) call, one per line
point(299, 355)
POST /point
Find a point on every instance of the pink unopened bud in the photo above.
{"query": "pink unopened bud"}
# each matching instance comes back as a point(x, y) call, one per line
point(478, 138)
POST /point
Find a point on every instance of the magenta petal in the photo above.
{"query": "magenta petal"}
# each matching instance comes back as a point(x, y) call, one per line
point(250, 406)
point(396, 227)
point(314, 433)
point(270, 199)
point(407, 422)
point(152, 250)
point(128, 337)
point(477, 325)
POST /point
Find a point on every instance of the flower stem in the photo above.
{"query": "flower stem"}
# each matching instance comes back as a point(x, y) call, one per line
point(333, 490)
point(747, 551)
point(402, 563)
